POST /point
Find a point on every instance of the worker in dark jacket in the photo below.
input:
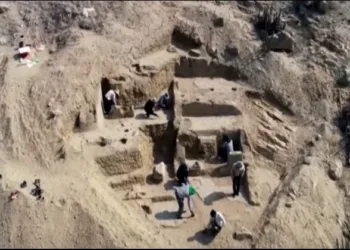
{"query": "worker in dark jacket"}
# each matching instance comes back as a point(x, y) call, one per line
point(164, 101)
point(226, 147)
point(182, 174)
point(149, 106)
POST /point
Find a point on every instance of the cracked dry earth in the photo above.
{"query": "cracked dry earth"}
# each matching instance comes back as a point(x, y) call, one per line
point(98, 171)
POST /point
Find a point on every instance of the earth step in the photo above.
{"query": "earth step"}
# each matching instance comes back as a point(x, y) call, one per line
point(272, 138)
point(217, 123)
point(127, 181)
point(280, 159)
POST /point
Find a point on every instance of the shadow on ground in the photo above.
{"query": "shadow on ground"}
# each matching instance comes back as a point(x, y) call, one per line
point(170, 184)
point(221, 171)
point(202, 238)
point(141, 116)
point(151, 181)
point(166, 215)
point(215, 196)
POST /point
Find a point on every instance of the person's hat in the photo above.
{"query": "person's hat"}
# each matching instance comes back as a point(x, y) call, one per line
point(192, 190)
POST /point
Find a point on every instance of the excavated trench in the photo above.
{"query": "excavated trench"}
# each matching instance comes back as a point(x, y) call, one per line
point(164, 136)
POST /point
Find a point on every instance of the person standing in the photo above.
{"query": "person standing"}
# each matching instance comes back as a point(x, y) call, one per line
point(237, 173)
point(182, 174)
point(164, 101)
point(226, 147)
point(185, 191)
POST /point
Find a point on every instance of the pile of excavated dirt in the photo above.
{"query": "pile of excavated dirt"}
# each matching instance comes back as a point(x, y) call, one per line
point(107, 180)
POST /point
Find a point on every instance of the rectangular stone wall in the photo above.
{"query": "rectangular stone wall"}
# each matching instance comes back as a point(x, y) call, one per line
point(120, 162)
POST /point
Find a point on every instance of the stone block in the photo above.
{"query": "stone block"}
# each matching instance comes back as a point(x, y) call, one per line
point(180, 152)
point(121, 112)
point(120, 162)
point(197, 169)
point(128, 181)
point(234, 157)
point(159, 172)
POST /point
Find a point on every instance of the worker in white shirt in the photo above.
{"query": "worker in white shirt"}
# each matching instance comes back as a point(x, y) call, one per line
point(216, 222)
point(110, 99)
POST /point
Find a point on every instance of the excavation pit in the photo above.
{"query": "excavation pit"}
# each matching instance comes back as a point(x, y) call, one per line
point(209, 108)
point(206, 144)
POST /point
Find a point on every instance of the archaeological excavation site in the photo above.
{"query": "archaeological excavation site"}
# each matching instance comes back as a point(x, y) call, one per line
point(85, 164)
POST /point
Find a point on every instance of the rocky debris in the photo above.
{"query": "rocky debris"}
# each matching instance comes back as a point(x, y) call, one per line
point(197, 169)
point(333, 42)
point(268, 22)
point(218, 22)
point(180, 152)
point(86, 24)
point(335, 170)
point(231, 49)
point(288, 205)
point(318, 137)
point(86, 11)
point(147, 209)
point(344, 80)
point(3, 40)
point(23, 184)
point(104, 141)
point(315, 5)
point(171, 49)
point(37, 191)
point(162, 198)
point(307, 160)
point(3, 8)
point(122, 112)
point(54, 113)
point(283, 138)
point(129, 112)
point(159, 172)
point(132, 195)
point(281, 41)
point(195, 52)
point(254, 94)
point(243, 234)
point(149, 67)
point(84, 120)
point(212, 51)
point(187, 33)
point(13, 195)
point(291, 195)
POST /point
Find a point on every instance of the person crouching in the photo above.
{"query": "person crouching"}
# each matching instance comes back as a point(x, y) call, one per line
point(164, 101)
point(149, 107)
point(216, 223)
point(110, 100)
